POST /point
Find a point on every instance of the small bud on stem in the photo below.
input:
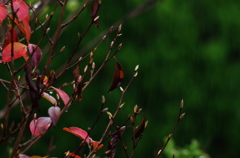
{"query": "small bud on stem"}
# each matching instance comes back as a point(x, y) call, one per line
point(119, 27)
point(103, 99)
point(181, 104)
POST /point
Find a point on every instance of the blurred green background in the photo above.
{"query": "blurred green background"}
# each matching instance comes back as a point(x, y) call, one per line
point(186, 50)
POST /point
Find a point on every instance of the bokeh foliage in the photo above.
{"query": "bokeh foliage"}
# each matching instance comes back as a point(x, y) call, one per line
point(186, 50)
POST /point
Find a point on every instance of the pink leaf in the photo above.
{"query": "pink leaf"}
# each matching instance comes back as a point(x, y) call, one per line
point(40, 126)
point(21, 8)
point(37, 54)
point(79, 133)
point(3, 12)
point(54, 113)
point(19, 51)
point(49, 98)
point(65, 98)
point(23, 156)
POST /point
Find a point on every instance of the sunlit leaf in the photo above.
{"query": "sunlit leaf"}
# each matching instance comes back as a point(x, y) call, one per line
point(118, 77)
point(3, 12)
point(54, 113)
point(11, 32)
point(40, 126)
point(37, 54)
point(72, 155)
point(35, 156)
point(19, 50)
point(50, 98)
point(65, 98)
point(21, 8)
point(113, 142)
point(94, 13)
point(79, 133)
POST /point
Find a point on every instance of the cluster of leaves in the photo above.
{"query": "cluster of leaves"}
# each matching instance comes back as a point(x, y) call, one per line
point(191, 150)
point(39, 83)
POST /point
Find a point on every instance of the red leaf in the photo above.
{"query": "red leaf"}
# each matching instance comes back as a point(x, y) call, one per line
point(94, 13)
point(37, 54)
point(49, 98)
point(27, 28)
point(54, 113)
point(24, 30)
point(40, 126)
point(19, 51)
point(65, 98)
point(21, 8)
point(79, 133)
point(8, 38)
point(45, 79)
point(118, 77)
point(3, 12)
point(71, 154)
point(95, 144)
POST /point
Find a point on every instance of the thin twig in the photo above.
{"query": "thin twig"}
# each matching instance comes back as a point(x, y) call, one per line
point(180, 116)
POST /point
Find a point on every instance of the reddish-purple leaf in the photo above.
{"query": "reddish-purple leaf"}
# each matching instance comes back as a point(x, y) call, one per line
point(78, 83)
point(21, 8)
point(54, 113)
point(37, 54)
point(79, 133)
point(94, 13)
point(113, 142)
point(19, 50)
point(8, 38)
point(33, 88)
point(50, 98)
point(65, 98)
point(139, 131)
point(118, 77)
point(40, 126)
point(76, 73)
point(3, 12)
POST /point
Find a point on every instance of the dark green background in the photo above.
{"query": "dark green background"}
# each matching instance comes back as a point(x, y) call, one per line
point(186, 50)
